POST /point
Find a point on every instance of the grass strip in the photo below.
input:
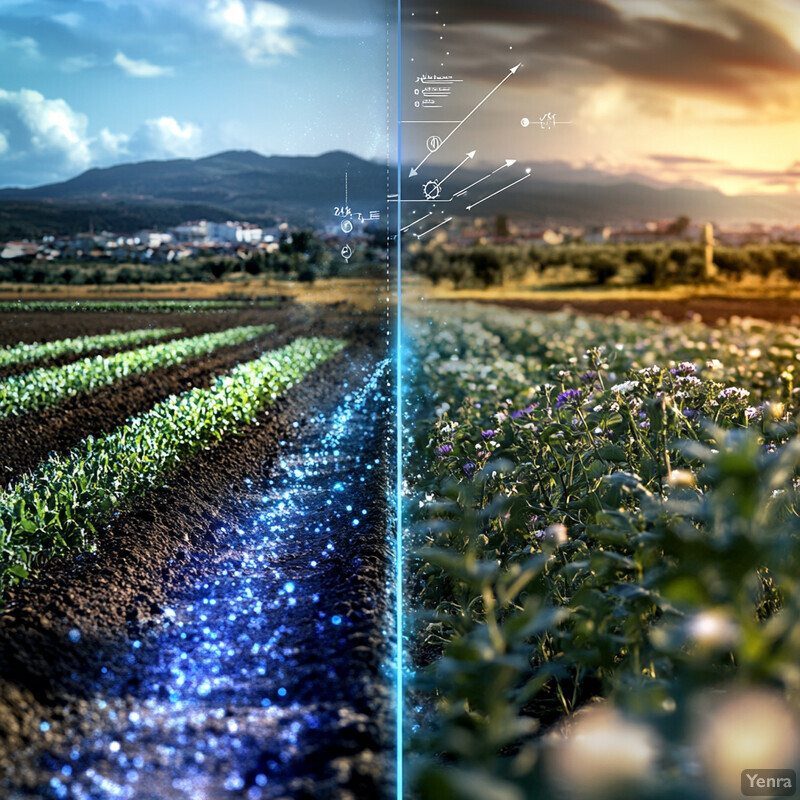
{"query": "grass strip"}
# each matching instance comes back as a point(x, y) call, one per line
point(45, 387)
point(57, 508)
point(29, 353)
point(112, 306)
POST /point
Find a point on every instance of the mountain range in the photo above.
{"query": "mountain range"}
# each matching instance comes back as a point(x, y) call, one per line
point(306, 189)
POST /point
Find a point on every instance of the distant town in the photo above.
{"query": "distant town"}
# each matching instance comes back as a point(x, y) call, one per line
point(239, 238)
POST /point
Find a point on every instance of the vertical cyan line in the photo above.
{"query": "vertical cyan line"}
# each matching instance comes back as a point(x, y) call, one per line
point(399, 423)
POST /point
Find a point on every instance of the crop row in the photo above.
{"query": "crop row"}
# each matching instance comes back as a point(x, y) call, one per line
point(600, 509)
point(112, 306)
point(28, 353)
point(59, 507)
point(46, 387)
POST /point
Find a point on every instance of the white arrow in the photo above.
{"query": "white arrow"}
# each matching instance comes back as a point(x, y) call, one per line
point(509, 162)
point(469, 156)
point(415, 170)
point(469, 208)
point(403, 230)
point(420, 235)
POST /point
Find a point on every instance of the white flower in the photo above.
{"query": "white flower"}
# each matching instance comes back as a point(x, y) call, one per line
point(625, 387)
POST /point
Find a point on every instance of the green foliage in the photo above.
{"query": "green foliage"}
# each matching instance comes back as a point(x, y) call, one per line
point(45, 387)
point(585, 525)
point(652, 264)
point(27, 353)
point(58, 508)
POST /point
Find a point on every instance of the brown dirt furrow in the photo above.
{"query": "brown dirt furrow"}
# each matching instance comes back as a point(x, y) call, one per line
point(710, 309)
point(50, 326)
point(26, 440)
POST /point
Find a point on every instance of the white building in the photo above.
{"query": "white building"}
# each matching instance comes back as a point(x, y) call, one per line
point(153, 238)
point(239, 232)
point(195, 232)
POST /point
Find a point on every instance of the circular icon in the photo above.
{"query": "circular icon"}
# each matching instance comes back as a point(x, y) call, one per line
point(525, 122)
point(347, 226)
point(347, 252)
point(431, 190)
point(434, 143)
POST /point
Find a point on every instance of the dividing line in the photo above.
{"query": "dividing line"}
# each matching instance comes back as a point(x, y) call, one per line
point(399, 606)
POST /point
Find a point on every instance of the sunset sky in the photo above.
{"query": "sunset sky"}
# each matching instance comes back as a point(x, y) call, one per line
point(688, 91)
point(676, 90)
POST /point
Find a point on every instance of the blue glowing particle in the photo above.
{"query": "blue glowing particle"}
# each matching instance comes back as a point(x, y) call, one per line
point(282, 691)
point(44, 726)
point(136, 644)
point(355, 523)
point(288, 587)
point(336, 619)
point(337, 487)
point(74, 635)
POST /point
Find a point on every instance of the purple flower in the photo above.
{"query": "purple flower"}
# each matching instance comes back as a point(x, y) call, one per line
point(569, 397)
point(689, 413)
point(469, 468)
point(488, 434)
point(442, 449)
point(517, 414)
point(589, 377)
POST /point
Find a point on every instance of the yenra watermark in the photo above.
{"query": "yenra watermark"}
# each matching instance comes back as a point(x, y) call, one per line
point(769, 782)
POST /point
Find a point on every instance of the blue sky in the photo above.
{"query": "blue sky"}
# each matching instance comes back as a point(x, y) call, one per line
point(96, 82)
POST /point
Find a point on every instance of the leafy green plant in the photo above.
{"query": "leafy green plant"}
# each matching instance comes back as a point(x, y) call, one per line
point(45, 387)
point(590, 527)
point(58, 508)
point(28, 353)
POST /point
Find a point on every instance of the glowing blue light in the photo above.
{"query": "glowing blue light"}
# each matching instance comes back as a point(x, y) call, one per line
point(288, 587)
point(282, 691)
point(44, 727)
point(336, 619)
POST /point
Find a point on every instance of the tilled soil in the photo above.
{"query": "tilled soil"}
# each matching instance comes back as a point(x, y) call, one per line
point(710, 309)
point(159, 549)
point(46, 326)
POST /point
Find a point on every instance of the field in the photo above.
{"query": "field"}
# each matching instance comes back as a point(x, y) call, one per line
point(602, 526)
point(183, 485)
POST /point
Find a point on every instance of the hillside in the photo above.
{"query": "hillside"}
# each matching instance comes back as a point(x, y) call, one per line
point(304, 190)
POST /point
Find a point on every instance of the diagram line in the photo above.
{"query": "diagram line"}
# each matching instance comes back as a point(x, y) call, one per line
point(509, 162)
point(415, 222)
point(424, 233)
point(469, 208)
point(510, 73)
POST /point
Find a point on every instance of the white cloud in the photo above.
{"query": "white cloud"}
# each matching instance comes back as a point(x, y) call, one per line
point(260, 30)
point(166, 136)
point(140, 68)
point(25, 45)
point(77, 63)
point(44, 128)
point(70, 19)
point(44, 140)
